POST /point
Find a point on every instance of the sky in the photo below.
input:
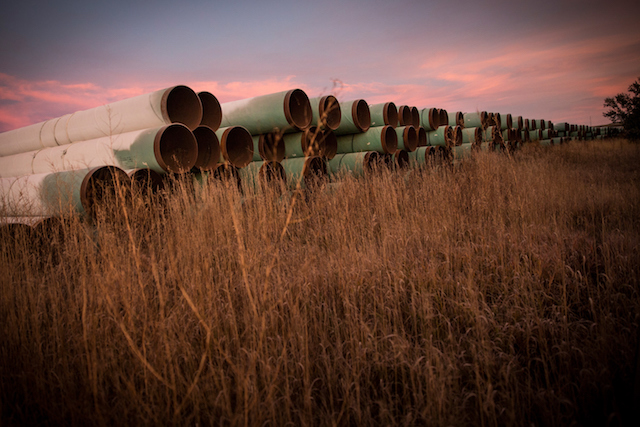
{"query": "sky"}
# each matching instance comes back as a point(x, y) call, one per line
point(542, 59)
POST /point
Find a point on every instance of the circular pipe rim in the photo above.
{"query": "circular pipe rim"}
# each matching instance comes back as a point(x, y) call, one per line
point(208, 148)
point(211, 110)
point(415, 117)
point(175, 148)
point(410, 138)
point(237, 146)
point(388, 139)
point(329, 147)
point(180, 104)
point(270, 172)
point(97, 180)
point(361, 115)
point(146, 178)
point(329, 108)
point(297, 109)
point(390, 114)
point(225, 172)
point(314, 171)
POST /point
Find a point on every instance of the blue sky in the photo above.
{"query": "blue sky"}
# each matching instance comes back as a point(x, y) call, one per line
point(543, 59)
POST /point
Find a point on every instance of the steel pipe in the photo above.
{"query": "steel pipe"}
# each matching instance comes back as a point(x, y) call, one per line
point(145, 181)
point(422, 137)
point(407, 138)
point(356, 117)
point(236, 145)
point(384, 114)
point(308, 172)
point(439, 136)
point(456, 119)
point(208, 148)
point(472, 135)
point(477, 119)
point(462, 152)
point(178, 104)
point(171, 148)
point(382, 139)
point(430, 118)
point(355, 164)
point(507, 123)
point(259, 176)
point(444, 116)
point(60, 193)
point(288, 111)
point(268, 146)
point(326, 112)
point(211, 110)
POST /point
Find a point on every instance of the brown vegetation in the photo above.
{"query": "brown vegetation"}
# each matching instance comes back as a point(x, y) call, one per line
point(504, 292)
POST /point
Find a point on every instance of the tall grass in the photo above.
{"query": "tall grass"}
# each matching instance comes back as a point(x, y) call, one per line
point(505, 292)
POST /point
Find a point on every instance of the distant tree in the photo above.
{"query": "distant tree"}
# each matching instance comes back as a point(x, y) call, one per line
point(625, 109)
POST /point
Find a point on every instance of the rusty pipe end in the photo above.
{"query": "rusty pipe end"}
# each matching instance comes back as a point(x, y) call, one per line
point(227, 174)
point(457, 135)
point(329, 112)
point(401, 159)
point(180, 104)
point(271, 147)
point(404, 115)
point(175, 148)
point(329, 146)
point(460, 118)
point(297, 109)
point(314, 171)
point(422, 137)
point(410, 138)
point(103, 184)
point(237, 146)
point(211, 110)
point(444, 116)
point(390, 114)
point(361, 115)
point(271, 174)
point(389, 139)
point(145, 181)
point(208, 148)
point(415, 117)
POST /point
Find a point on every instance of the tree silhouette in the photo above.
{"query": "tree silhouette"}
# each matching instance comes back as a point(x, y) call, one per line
point(625, 109)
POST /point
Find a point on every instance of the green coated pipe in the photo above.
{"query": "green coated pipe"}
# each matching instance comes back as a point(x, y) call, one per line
point(562, 127)
point(382, 139)
point(535, 135)
point(557, 140)
point(472, 135)
point(227, 174)
point(208, 148)
point(268, 146)
point(419, 157)
point(439, 136)
point(356, 117)
point(525, 136)
point(384, 114)
point(399, 159)
point(444, 116)
point(60, 193)
point(527, 125)
point(302, 144)
point(430, 119)
point(507, 123)
point(456, 119)
point(306, 172)
point(326, 112)
point(457, 135)
point(548, 134)
point(355, 164)
point(261, 175)
point(407, 138)
point(329, 144)
point(236, 145)
point(211, 110)
point(550, 125)
point(519, 123)
point(476, 120)
point(545, 142)
point(415, 117)
point(288, 111)
point(422, 137)
point(145, 181)
point(404, 115)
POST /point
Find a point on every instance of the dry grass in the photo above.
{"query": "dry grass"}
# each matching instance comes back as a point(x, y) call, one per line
point(502, 293)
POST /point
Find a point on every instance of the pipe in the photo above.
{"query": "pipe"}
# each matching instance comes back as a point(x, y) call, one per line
point(422, 137)
point(457, 135)
point(462, 152)
point(211, 110)
point(326, 112)
point(268, 146)
point(545, 143)
point(59, 193)
point(382, 139)
point(558, 140)
point(548, 134)
point(535, 135)
point(170, 148)
point(439, 136)
point(497, 120)
point(430, 119)
point(308, 172)
point(355, 164)
point(145, 181)
point(227, 174)
point(263, 175)
point(407, 138)
point(507, 123)
point(549, 125)
point(208, 148)
point(178, 104)
point(444, 116)
point(404, 115)
point(398, 160)
point(384, 114)
point(302, 144)
point(476, 120)
point(472, 135)
point(456, 119)
point(329, 146)
point(415, 117)
point(527, 125)
point(356, 117)
point(419, 157)
point(288, 111)
point(562, 127)
point(236, 145)
point(525, 136)
point(519, 123)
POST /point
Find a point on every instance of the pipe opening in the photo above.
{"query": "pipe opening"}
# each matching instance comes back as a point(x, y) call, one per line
point(329, 112)
point(410, 138)
point(390, 114)
point(404, 115)
point(443, 117)
point(372, 161)
point(175, 148)
point(457, 135)
point(145, 182)
point(310, 142)
point(237, 146)
point(211, 110)
point(401, 159)
point(272, 174)
point(361, 115)
point(389, 140)
point(208, 148)
point(102, 186)
point(415, 117)
point(180, 104)
point(297, 109)
point(459, 118)
point(271, 147)
point(422, 137)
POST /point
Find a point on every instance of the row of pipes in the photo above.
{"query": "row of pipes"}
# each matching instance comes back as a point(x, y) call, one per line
point(71, 162)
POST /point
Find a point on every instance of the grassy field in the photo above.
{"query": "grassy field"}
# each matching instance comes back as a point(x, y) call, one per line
point(504, 292)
